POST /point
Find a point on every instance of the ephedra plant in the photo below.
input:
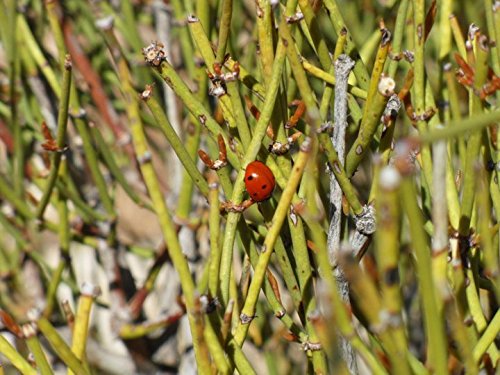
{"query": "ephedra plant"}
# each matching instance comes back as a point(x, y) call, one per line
point(252, 187)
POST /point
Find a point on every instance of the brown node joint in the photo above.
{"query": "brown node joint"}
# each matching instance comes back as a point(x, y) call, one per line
point(209, 305)
point(297, 17)
point(405, 153)
point(218, 77)
point(426, 115)
point(192, 19)
point(68, 65)
point(144, 158)
point(148, 91)
point(278, 148)
point(306, 145)
point(386, 35)
point(245, 319)
point(280, 314)
point(326, 127)
point(406, 55)
point(154, 54)
point(217, 89)
point(81, 113)
point(420, 30)
point(219, 163)
point(359, 150)
point(229, 206)
point(473, 32)
point(311, 346)
point(336, 167)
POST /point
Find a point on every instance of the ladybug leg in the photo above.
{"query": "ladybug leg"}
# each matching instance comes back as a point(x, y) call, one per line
point(229, 206)
point(221, 161)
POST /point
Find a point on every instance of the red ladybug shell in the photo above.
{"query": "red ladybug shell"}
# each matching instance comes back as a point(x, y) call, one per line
point(259, 181)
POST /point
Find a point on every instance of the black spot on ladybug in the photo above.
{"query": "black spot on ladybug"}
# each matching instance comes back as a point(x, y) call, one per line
point(263, 186)
point(250, 178)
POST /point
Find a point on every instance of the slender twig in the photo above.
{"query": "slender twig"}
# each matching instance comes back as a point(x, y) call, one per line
point(15, 357)
point(433, 327)
point(80, 329)
point(248, 311)
point(174, 141)
point(58, 344)
point(62, 123)
point(488, 337)
point(339, 24)
point(215, 250)
point(440, 218)
point(251, 153)
point(343, 66)
point(474, 144)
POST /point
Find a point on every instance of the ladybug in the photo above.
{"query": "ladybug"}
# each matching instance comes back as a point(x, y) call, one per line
point(259, 181)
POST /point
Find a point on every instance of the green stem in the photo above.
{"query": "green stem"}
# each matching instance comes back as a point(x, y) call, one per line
point(251, 152)
point(39, 57)
point(339, 24)
point(215, 250)
point(459, 128)
point(231, 103)
point(108, 159)
point(62, 123)
point(81, 326)
point(248, 311)
point(35, 347)
point(487, 338)
point(398, 35)
point(15, 124)
point(175, 142)
point(166, 223)
point(387, 254)
point(15, 358)
point(313, 112)
point(436, 340)
point(197, 109)
point(60, 347)
point(224, 26)
point(369, 125)
point(418, 94)
point(475, 140)
point(330, 78)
